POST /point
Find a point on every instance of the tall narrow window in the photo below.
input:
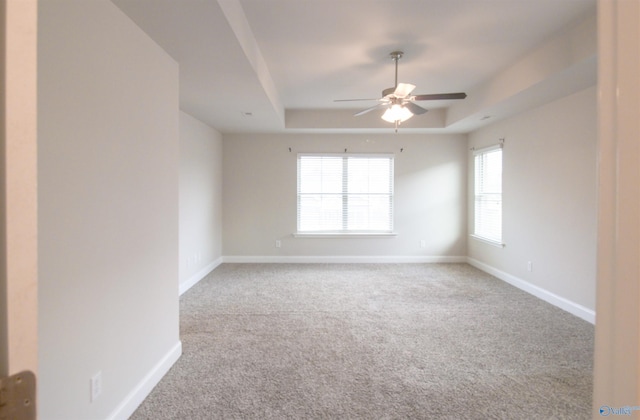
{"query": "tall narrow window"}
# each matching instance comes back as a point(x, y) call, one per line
point(488, 194)
point(345, 193)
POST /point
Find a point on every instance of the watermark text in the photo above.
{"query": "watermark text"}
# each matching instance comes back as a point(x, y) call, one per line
point(626, 410)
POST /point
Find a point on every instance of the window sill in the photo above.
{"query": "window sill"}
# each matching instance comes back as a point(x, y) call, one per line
point(333, 235)
point(488, 241)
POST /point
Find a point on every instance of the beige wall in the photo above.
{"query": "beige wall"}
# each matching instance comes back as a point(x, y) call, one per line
point(617, 341)
point(549, 193)
point(18, 193)
point(108, 209)
point(200, 200)
point(259, 196)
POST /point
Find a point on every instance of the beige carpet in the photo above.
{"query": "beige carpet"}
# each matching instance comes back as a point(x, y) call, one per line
point(372, 341)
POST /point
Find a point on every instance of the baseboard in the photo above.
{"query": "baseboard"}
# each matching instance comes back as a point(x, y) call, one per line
point(549, 297)
point(388, 259)
point(133, 400)
point(191, 281)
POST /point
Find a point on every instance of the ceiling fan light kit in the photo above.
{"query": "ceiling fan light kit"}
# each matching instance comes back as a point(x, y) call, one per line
point(397, 112)
point(399, 102)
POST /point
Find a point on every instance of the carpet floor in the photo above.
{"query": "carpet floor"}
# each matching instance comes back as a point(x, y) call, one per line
point(372, 341)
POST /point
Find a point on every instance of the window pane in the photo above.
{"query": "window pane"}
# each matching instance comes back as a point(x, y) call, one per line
point(489, 172)
point(488, 216)
point(317, 212)
point(369, 175)
point(320, 174)
point(369, 212)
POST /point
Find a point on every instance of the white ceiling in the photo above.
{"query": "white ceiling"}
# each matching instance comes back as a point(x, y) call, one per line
point(285, 61)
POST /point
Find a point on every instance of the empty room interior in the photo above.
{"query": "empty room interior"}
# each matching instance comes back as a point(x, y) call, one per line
point(244, 157)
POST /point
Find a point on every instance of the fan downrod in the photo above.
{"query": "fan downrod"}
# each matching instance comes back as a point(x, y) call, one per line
point(395, 56)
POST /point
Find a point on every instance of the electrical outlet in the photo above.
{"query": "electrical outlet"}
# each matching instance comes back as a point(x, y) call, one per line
point(529, 266)
point(423, 243)
point(96, 386)
point(278, 243)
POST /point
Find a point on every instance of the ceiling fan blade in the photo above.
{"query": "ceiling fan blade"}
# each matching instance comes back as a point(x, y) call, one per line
point(351, 100)
point(403, 90)
point(415, 109)
point(437, 96)
point(369, 109)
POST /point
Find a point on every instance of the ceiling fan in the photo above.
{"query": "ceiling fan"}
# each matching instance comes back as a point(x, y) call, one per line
point(399, 100)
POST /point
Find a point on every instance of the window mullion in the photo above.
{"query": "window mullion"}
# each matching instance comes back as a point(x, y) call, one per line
point(345, 192)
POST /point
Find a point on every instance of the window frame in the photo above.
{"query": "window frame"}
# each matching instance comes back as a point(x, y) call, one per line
point(345, 194)
point(480, 231)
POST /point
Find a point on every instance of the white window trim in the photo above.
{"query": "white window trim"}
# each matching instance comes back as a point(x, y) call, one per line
point(487, 241)
point(487, 149)
point(353, 234)
point(482, 150)
point(334, 235)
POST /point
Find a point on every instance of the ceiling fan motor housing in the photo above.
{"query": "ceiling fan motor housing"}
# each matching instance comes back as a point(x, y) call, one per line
point(388, 91)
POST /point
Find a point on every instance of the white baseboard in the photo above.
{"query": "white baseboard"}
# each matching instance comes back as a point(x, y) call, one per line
point(562, 303)
point(388, 259)
point(191, 281)
point(133, 400)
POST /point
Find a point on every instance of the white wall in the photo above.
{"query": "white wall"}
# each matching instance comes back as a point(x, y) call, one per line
point(108, 210)
point(259, 197)
point(200, 200)
point(549, 193)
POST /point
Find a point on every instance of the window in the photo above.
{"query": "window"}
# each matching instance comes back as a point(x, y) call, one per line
point(488, 194)
point(345, 193)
